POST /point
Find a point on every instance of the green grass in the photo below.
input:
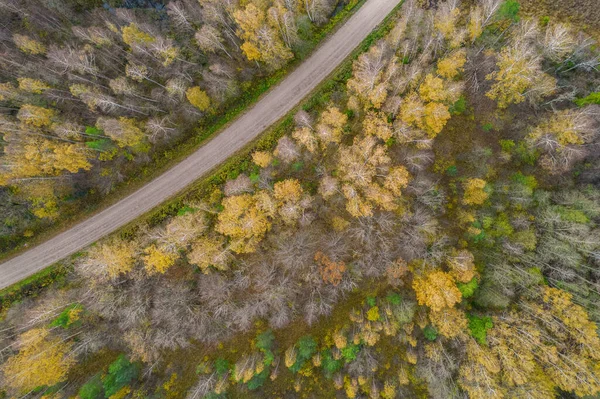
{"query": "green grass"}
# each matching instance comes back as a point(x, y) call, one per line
point(236, 164)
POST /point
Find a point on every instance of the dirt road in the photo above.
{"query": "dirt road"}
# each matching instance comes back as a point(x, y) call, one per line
point(278, 102)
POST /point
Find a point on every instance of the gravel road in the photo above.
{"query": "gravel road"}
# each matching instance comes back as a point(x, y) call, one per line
point(274, 105)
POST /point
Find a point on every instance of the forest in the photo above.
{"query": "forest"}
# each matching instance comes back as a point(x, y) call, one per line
point(425, 226)
point(96, 95)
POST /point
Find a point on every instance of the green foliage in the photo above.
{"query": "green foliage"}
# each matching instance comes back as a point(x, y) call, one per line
point(525, 154)
point(64, 318)
point(329, 364)
point(222, 367)
point(452, 170)
point(509, 10)
point(185, 210)
point(478, 327)
point(430, 333)
point(393, 298)
point(297, 166)
point(507, 145)
point(307, 347)
point(92, 389)
point(544, 21)
point(528, 181)
point(93, 130)
point(571, 215)
point(350, 352)
point(468, 289)
point(120, 374)
point(487, 127)
point(371, 301)
point(459, 107)
point(592, 98)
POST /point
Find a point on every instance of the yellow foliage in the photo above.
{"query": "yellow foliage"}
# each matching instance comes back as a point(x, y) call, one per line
point(435, 118)
point(132, 35)
point(42, 360)
point(157, 260)
point(288, 190)
point(29, 45)
point(198, 98)
point(474, 192)
point(35, 116)
point(243, 221)
point(436, 290)
point(114, 258)
point(432, 89)
point(519, 71)
point(262, 158)
point(450, 322)
point(376, 124)
point(34, 86)
point(462, 266)
point(208, 252)
point(121, 393)
point(452, 65)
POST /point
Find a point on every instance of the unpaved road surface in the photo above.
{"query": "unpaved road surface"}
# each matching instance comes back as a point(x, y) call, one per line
point(273, 106)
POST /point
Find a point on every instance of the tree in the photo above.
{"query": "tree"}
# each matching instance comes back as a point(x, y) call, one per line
point(290, 200)
point(112, 259)
point(369, 81)
point(376, 124)
point(42, 360)
point(331, 272)
point(451, 66)
point(29, 45)
point(209, 251)
point(125, 131)
point(133, 36)
point(563, 137)
point(36, 116)
point(198, 98)
point(34, 86)
point(261, 42)
point(519, 76)
point(210, 39)
point(450, 322)
point(262, 158)
point(437, 290)
point(462, 266)
point(33, 156)
point(158, 260)
point(121, 373)
point(475, 193)
point(244, 220)
point(330, 126)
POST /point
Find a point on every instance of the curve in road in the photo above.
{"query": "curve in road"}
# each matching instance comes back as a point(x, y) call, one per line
point(274, 105)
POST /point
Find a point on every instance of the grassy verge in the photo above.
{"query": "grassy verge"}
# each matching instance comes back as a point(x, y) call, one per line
point(186, 145)
point(236, 164)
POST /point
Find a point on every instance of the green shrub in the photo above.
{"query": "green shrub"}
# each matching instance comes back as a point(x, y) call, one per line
point(468, 289)
point(92, 389)
point(120, 374)
point(430, 333)
point(350, 352)
point(509, 10)
point(478, 327)
point(592, 98)
point(329, 364)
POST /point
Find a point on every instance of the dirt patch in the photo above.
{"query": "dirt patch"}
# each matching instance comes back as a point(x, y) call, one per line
point(583, 13)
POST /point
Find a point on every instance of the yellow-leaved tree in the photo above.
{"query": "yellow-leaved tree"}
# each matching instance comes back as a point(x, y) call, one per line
point(43, 360)
point(436, 290)
point(245, 219)
point(198, 98)
point(475, 193)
